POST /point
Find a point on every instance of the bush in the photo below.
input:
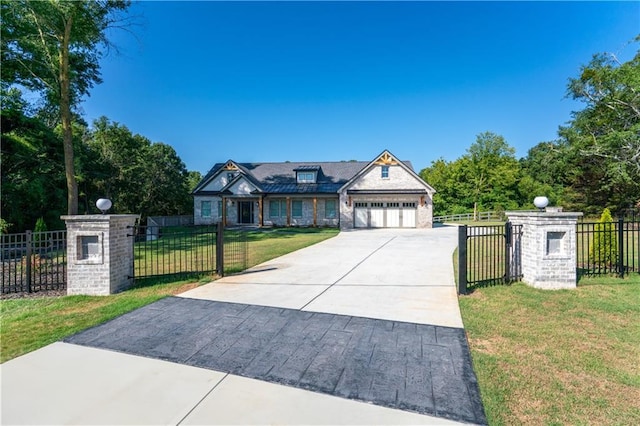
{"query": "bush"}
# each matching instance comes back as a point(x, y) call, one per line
point(604, 249)
point(41, 226)
point(4, 226)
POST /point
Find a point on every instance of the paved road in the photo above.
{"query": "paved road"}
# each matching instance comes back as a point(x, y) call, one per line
point(308, 338)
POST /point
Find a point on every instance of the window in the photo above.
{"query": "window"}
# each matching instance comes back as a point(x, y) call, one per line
point(393, 204)
point(306, 177)
point(220, 208)
point(296, 208)
point(330, 209)
point(205, 209)
point(377, 204)
point(409, 205)
point(230, 177)
point(361, 204)
point(277, 208)
point(385, 172)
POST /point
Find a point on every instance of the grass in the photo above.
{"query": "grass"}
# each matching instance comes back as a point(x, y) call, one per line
point(557, 357)
point(29, 324)
point(179, 250)
point(268, 244)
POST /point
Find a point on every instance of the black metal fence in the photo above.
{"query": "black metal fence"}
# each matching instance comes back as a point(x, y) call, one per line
point(608, 248)
point(187, 251)
point(33, 261)
point(488, 255)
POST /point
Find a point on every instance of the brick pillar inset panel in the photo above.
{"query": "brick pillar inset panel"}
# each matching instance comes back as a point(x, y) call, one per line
point(99, 253)
point(548, 248)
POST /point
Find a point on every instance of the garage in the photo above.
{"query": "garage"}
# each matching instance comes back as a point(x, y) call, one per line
point(376, 214)
point(386, 193)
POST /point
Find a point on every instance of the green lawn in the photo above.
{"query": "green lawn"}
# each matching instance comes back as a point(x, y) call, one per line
point(557, 357)
point(29, 324)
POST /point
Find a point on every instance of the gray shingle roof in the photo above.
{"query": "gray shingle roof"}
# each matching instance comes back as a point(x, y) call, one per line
point(280, 178)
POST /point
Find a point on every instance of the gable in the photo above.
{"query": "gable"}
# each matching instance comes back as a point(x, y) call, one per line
point(219, 181)
point(241, 186)
point(397, 176)
point(218, 177)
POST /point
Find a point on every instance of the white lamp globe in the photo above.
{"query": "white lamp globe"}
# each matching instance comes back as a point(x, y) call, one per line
point(103, 204)
point(541, 202)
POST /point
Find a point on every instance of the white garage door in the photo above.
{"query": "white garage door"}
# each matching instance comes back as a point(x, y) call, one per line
point(409, 212)
point(361, 219)
point(385, 215)
point(377, 217)
point(393, 215)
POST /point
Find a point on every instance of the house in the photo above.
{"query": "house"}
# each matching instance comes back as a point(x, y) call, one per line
point(383, 193)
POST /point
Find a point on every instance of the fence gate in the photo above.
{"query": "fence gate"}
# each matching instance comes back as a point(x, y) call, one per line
point(187, 251)
point(488, 255)
point(33, 261)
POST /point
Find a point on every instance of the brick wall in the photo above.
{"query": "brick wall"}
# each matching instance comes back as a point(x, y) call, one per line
point(548, 248)
point(99, 253)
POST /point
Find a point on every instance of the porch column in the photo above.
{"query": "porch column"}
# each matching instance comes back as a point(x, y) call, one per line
point(288, 211)
point(260, 212)
point(315, 211)
point(224, 211)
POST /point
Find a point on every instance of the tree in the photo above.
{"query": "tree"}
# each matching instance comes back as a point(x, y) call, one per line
point(605, 135)
point(194, 179)
point(32, 169)
point(139, 176)
point(492, 172)
point(486, 177)
point(604, 249)
point(52, 47)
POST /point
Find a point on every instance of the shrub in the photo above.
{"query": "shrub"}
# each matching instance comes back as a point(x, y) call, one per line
point(41, 226)
point(4, 226)
point(604, 249)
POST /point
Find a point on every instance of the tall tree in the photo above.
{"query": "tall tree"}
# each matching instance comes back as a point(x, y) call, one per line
point(493, 172)
point(139, 176)
point(54, 47)
point(605, 135)
point(32, 172)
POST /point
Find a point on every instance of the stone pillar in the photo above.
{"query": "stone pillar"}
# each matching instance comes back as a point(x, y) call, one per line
point(99, 253)
point(548, 248)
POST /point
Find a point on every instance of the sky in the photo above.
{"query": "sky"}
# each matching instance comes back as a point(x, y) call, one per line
point(332, 81)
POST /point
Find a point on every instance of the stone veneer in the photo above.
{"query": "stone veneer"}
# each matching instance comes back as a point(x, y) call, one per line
point(548, 247)
point(99, 253)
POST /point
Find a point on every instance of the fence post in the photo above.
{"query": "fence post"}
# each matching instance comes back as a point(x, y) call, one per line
point(621, 248)
point(28, 240)
point(220, 249)
point(507, 251)
point(462, 259)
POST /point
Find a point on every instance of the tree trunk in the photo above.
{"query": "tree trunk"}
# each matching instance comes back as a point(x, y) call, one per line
point(65, 115)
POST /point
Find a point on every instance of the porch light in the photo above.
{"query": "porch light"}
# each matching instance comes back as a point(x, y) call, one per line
point(541, 202)
point(103, 204)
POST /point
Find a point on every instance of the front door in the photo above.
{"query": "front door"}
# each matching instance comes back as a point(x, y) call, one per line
point(245, 211)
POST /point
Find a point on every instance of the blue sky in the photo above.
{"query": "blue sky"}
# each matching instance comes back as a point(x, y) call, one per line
point(331, 81)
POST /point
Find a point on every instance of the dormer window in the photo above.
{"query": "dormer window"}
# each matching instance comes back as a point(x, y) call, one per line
point(307, 174)
point(306, 177)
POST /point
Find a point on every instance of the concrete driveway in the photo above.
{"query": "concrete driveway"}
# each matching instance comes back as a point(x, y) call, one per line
point(363, 328)
point(392, 274)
